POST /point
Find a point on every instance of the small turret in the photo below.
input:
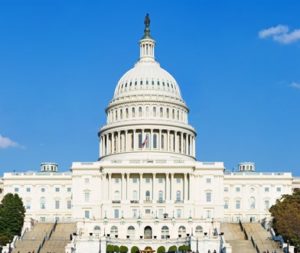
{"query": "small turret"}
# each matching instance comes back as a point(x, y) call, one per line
point(49, 167)
point(247, 166)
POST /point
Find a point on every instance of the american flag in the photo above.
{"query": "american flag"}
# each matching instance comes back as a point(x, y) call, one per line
point(145, 141)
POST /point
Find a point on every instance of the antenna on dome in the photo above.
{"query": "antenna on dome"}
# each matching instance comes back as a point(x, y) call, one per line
point(147, 27)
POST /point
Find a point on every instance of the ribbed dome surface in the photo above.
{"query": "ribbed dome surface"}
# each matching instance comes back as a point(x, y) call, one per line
point(147, 77)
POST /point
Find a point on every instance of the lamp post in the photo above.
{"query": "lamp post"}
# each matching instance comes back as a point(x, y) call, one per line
point(288, 246)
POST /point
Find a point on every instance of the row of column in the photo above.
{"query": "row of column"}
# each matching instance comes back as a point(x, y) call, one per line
point(152, 139)
point(169, 186)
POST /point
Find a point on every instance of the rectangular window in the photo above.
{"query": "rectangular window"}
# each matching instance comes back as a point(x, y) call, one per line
point(28, 189)
point(208, 214)
point(116, 213)
point(69, 204)
point(226, 189)
point(278, 189)
point(237, 189)
point(57, 204)
point(117, 180)
point(134, 180)
point(43, 189)
point(208, 180)
point(86, 180)
point(226, 204)
point(147, 211)
point(57, 189)
point(267, 189)
point(237, 204)
point(87, 214)
point(134, 213)
point(16, 189)
point(208, 196)
point(86, 196)
point(178, 180)
point(28, 205)
point(147, 180)
point(160, 180)
point(69, 189)
point(267, 204)
point(178, 213)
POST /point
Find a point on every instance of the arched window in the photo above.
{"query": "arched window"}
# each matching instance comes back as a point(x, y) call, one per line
point(154, 140)
point(199, 230)
point(147, 195)
point(173, 114)
point(140, 112)
point(168, 114)
point(114, 232)
point(164, 232)
point(121, 114)
point(154, 111)
point(162, 141)
point(178, 196)
point(252, 203)
point(147, 111)
point(97, 229)
point(133, 112)
point(161, 112)
point(177, 114)
point(140, 136)
point(126, 113)
point(43, 203)
point(148, 232)
point(160, 196)
point(131, 232)
point(181, 231)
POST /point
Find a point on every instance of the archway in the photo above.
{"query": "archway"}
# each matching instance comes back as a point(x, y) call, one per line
point(148, 232)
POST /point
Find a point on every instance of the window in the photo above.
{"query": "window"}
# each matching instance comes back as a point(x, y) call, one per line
point(114, 232)
point(140, 111)
point(57, 189)
point(161, 112)
point(134, 180)
point(86, 196)
point(57, 204)
point(87, 214)
point(226, 189)
point(69, 204)
point(178, 213)
point(168, 115)
point(135, 195)
point(154, 111)
point(16, 189)
point(252, 203)
point(133, 112)
point(86, 180)
point(226, 204)
point(42, 203)
point(178, 195)
point(267, 189)
point(162, 141)
point(134, 213)
point(117, 195)
point(208, 196)
point(154, 140)
point(28, 205)
point(126, 112)
point(208, 180)
point(147, 211)
point(267, 204)
point(147, 180)
point(147, 195)
point(116, 213)
point(178, 180)
point(28, 189)
point(140, 138)
point(278, 189)
point(160, 196)
point(117, 180)
point(237, 204)
point(164, 232)
point(160, 180)
point(69, 189)
point(208, 214)
point(43, 189)
point(237, 189)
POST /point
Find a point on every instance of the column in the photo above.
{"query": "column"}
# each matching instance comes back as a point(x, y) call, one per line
point(109, 187)
point(185, 187)
point(167, 187)
point(186, 144)
point(181, 136)
point(159, 138)
point(140, 186)
point(123, 187)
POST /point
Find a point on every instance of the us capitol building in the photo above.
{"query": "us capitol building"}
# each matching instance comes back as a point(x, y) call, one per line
point(147, 188)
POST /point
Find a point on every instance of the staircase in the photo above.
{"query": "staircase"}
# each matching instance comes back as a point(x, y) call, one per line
point(32, 239)
point(261, 237)
point(59, 238)
point(236, 238)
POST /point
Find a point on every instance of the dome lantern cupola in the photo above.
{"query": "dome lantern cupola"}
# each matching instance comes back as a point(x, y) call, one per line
point(147, 44)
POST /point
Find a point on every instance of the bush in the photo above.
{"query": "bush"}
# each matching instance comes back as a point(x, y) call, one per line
point(135, 249)
point(172, 249)
point(123, 249)
point(184, 248)
point(116, 249)
point(161, 249)
point(110, 248)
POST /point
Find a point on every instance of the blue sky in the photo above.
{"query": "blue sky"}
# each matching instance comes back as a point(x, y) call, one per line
point(237, 63)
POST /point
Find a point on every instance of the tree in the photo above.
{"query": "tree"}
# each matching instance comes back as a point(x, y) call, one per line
point(181, 248)
point(135, 249)
point(172, 249)
point(116, 248)
point(12, 213)
point(109, 248)
point(286, 217)
point(161, 249)
point(123, 249)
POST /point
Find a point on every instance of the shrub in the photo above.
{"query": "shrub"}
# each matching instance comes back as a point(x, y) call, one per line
point(116, 248)
point(110, 248)
point(135, 249)
point(161, 249)
point(123, 249)
point(172, 249)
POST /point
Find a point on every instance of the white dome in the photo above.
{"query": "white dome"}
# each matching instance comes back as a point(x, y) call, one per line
point(147, 77)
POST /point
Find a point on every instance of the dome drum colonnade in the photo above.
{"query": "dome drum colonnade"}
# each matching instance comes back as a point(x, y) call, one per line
point(147, 112)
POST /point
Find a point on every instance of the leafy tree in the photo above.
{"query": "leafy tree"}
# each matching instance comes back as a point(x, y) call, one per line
point(172, 249)
point(286, 217)
point(123, 249)
point(109, 248)
point(135, 249)
point(161, 249)
point(12, 213)
point(116, 248)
